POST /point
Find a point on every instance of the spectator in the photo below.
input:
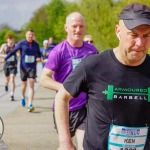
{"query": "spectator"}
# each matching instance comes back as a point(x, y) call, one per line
point(88, 39)
point(51, 43)
point(45, 50)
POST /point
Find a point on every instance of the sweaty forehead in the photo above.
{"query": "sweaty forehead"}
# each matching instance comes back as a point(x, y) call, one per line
point(142, 28)
point(29, 33)
point(10, 39)
point(75, 18)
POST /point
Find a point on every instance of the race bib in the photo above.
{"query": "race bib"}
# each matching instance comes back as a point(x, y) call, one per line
point(29, 59)
point(127, 138)
point(10, 59)
point(45, 60)
point(75, 62)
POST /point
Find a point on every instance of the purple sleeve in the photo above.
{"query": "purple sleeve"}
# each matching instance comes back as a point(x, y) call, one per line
point(53, 60)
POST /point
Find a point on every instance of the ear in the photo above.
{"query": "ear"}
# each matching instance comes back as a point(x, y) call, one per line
point(66, 28)
point(118, 32)
point(118, 35)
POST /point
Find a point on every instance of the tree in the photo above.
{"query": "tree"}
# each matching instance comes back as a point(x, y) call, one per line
point(39, 23)
point(56, 11)
point(100, 21)
point(101, 17)
point(4, 33)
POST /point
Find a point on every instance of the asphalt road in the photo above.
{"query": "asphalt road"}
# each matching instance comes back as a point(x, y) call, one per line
point(7, 106)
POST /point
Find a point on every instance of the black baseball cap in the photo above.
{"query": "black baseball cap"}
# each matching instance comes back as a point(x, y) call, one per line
point(134, 15)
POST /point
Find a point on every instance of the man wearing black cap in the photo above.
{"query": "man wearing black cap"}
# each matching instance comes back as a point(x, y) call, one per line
point(117, 83)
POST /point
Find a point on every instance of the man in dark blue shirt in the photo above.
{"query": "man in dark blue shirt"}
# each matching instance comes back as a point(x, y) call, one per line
point(29, 55)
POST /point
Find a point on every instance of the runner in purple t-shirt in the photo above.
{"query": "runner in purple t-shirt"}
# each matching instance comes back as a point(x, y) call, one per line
point(62, 60)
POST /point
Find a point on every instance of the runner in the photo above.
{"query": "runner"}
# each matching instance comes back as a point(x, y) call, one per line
point(29, 55)
point(117, 83)
point(10, 66)
point(61, 61)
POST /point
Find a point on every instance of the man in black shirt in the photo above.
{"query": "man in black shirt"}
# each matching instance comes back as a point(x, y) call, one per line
point(117, 83)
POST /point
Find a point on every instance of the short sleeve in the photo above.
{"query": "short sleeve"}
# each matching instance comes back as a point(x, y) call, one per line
point(76, 82)
point(53, 60)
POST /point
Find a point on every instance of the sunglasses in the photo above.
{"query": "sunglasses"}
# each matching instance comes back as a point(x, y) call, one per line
point(89, 41)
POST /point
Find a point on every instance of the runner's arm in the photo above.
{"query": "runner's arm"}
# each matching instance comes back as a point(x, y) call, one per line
point(47, 80)
point(12, 52)
point(3, 51)
point(38, 59)
point(62, 119)
point(3, 55)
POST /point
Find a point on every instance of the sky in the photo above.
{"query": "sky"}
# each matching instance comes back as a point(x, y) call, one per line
point(16, 13)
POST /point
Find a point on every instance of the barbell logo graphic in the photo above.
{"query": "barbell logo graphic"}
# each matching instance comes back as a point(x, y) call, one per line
point(137, 93)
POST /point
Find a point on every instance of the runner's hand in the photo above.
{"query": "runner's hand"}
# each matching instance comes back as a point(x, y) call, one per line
point(1, 61)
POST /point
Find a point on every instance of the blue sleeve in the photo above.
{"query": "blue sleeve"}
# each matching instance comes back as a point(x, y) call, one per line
point(41, 50)
point(38, 52)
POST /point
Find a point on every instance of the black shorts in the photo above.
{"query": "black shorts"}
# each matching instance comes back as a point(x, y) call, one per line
point(77, 120)
point(8, 71)
point(28, 73)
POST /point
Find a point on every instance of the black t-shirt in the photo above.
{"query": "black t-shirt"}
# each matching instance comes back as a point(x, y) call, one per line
point(116, 94)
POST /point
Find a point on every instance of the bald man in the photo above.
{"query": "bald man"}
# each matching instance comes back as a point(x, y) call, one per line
point(61, 62)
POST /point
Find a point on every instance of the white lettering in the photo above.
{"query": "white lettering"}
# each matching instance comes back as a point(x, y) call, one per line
point(129, 97)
